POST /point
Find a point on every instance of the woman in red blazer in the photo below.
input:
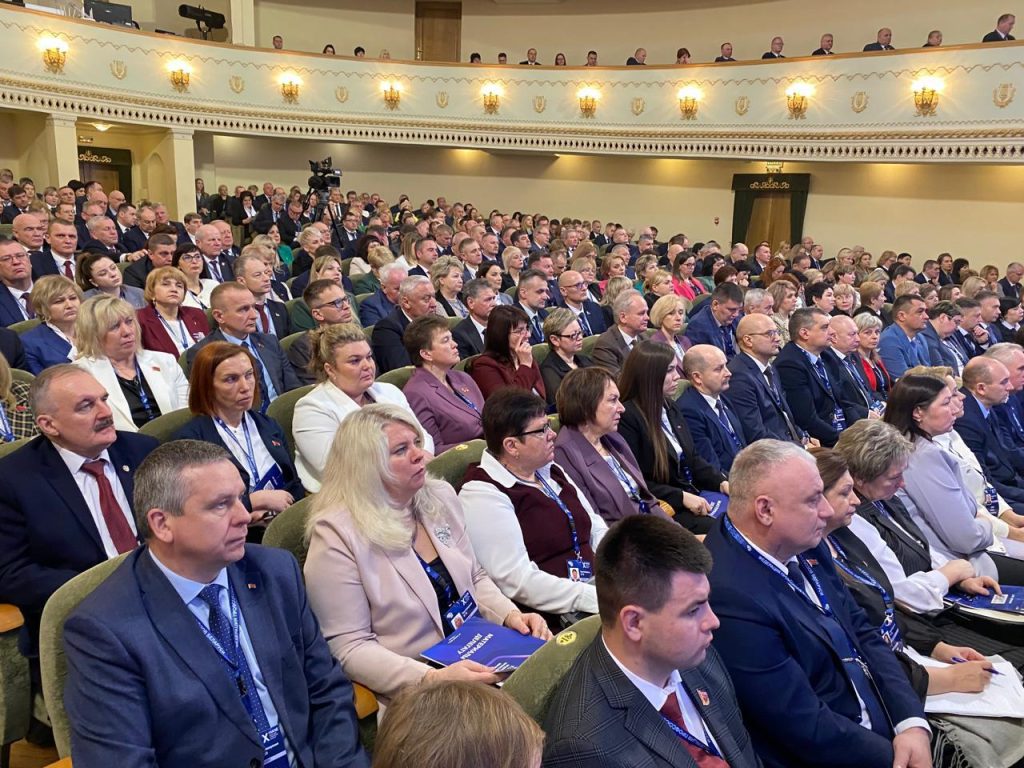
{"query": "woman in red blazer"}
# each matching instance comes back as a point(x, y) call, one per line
point(166, 325)
point(869, 329)
point(507, 359)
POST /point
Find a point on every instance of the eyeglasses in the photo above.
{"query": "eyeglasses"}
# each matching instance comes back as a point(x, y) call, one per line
point(190, 257)
point(578, 286)
point(542, 431)
point(13, 256)
point(770, 334)
point(574, 336)
point(337, 303)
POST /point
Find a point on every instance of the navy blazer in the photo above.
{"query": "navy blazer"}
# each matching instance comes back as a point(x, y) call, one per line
point(47, 533)
point(938, 353)
point(44, 348)
point(136, 637)
point(375, 308)
point(710, 438)
point(595, 317)
point(444, 415)
point(591, 473)
point(854, 398)
point(543, 313)
point(12, 349)
point(388, 349)
point(10, 311)
point(704, 329)
point(468, 339)
point(752, 403)
point(598, 717)
point(811, 403)
point(134, 239)
point(812, 716)
point(43, 264)
point(203, 428)
point(999, 460)
point(270, 353)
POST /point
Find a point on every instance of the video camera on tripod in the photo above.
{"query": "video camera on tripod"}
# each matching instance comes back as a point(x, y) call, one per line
point(324, 175)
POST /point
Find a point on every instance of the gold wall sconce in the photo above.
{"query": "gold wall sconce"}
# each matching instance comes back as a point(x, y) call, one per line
point(926, 91)
point(797, 96)
point(491, 95)
point(290, 84)
point(689, 101)
point(55, 53)
point(392, 92)
point(588, 98)
point(180, 73)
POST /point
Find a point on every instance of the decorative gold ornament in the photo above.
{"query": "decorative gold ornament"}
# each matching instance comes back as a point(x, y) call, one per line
point(55, 53)
point(859, 102)
point(926, 91)
point(638, 106)
point(1003, 94)
point(689, 100)
point(290, 84)
point(441, 99)
point(392, 92)
point(118, 69)
point(588, 101)
point(539, 104)
point(236, 83)
point(341, 94)
point(491, 96)
point(742, 105)
point(181, 73)
point(797, 98)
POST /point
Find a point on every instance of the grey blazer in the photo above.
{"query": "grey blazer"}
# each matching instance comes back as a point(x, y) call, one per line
point(610, 350)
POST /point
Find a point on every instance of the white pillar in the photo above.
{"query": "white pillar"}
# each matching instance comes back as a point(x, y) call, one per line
point(243, 22)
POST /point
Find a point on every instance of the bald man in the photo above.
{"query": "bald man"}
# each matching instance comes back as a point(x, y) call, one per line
point(856, 396)
point(755, 394)
point(717, 431)
point(805, 699)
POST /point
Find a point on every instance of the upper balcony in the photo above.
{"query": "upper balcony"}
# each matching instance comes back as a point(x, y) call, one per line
point(853, 107)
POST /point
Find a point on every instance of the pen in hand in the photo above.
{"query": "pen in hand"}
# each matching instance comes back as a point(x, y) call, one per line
point(961, 660)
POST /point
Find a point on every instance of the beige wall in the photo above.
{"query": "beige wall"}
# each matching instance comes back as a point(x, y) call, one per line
point(160, 14)
point(921, 209)
point(615, 28)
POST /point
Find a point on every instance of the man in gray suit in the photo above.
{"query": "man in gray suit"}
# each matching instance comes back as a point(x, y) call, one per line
point(649, 690)
point(629, 311)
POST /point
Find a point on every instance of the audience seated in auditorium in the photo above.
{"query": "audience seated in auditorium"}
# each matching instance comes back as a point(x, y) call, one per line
point(659, 438)
point(717, 431)
point(531, 527)
point(415, 299)
point(141, 384)
point(626, 701)
point(224, 399)
point(145, 635)
point(56, 523)
point(447, 403)
point(405, 530)
point(345, 370)
point(56, 301)
point(629, 311)
point(166, 324)
point(565, 340)
point(507, 359)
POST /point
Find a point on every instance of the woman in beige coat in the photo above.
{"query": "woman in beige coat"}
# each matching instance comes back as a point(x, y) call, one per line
point(389, 563)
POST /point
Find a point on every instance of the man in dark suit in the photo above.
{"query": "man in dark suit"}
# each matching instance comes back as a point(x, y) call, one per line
point(629, 310)
point(1002, 31)
point(161, 248)
point(650, 690)
point(532, 295)
point(726, 53)
point(882, 42)
point(209, 243)
point(531, 58)
point(755, 394)
point(938, 337)
point(776, 49)
point(60, 260)
point(220, 624)
point(269, 214)
point(415, 298)
point(15, 283)
point(469, 332)
point(19, 198)
point(136, 237)
point(384, 301)
point(1010, 286)
point(271, 315)
point(843, 364)
point(812, 392)
point(575, 296)
point(103, 238)
point(715, 325)
point(268, 193)
point(65, 497)
point(717, 431)
point(291, 223)
point(827, 41)
point(234, 311)
point(822, 687)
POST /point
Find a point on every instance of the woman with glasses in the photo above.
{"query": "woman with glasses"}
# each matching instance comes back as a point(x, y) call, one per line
point(565, 340)
point(198, 284)
point(683, 282)
point(448, 403)
point(166, 325)
point(507, 359)
point(98, 275)
point(531, 527)
point(667, 316)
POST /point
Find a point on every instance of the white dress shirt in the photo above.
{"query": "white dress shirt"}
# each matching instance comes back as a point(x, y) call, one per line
point(89, 487)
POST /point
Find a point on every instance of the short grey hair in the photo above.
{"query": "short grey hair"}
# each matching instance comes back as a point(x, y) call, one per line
point(754, 464)
point(158, 480)
point(94, 222)
point(557, 321)
point(623, 300)
point(1003, 351)
point(411, 283)
point(753, 298)
point(475, 288)
point(870, 447)
point(39, 392)
point(865, 321)
point(387, 270)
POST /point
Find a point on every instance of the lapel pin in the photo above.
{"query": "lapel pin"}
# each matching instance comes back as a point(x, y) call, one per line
point(124, 468)
point(812, 562)
point(251, 586)
point(703, 696)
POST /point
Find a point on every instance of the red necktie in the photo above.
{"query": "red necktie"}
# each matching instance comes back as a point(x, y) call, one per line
point(113, 516)
point(670, 709)
point(264, 319)
point(69, 273)
point(27, 298)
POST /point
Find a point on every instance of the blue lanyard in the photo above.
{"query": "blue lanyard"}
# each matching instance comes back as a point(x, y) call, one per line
point(466, 400)
point(5, 426)
point(631, 487)
point(142, 390)
point(689, 738)
point(866, 578)
point(435, 577)
point(181, 330)
point(250, 454)
point(232, 658)
point(681, 460)
point(550, 493)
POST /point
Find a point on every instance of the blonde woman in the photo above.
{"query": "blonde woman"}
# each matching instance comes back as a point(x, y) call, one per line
point(56, 301)
point(342, 361)
point(16, 418)
point(972, 285)
point(141, 384)
point(657, 285)
point(310, 238)
point(446, 277)
point(168, 326)
point(390, 570)
point(377, 256)
point(514, 262)
point(668, 315)
point(612, 288)
point(784, 293)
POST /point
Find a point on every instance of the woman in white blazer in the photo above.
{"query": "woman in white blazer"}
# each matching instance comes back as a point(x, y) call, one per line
point(141, 384)
point(343, 363)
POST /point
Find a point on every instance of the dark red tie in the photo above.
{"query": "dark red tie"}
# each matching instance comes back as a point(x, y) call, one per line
point(264, 318)
point(69, 272)
point(113, 516)
point(670, 709)
point(27, 298)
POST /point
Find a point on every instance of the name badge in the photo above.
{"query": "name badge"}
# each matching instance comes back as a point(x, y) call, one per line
point(991, 500)
point(464, 608)
point(891, 633)
point(580, 570)
point(273, 480)
point(645, 507)
point(838, 420)
point(274, 753)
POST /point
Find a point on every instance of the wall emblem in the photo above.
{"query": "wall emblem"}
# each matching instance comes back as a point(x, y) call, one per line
point(859, 102)
point(539, 104)
point(442, 99)
point(341, 94)
point(236, 83)
point(1003, 94)
point(742, 105)
point(118, 69)
point(638, 106)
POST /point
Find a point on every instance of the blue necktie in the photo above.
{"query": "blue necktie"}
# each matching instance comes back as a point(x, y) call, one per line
point(267, 390)
point(726, 424)
point(537, 329)
point(819, 368)
point(727, 344)
point(584, 325)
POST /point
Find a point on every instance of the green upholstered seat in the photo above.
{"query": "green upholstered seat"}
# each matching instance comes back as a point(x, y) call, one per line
point(282, 410)
point(166, 426)
point(399, 377)
point(452, 464)
point(15, 685)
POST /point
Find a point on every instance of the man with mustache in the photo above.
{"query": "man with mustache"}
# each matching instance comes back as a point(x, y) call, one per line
point(66, 496)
